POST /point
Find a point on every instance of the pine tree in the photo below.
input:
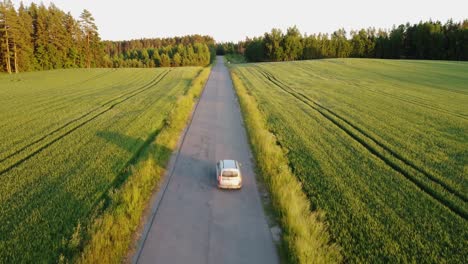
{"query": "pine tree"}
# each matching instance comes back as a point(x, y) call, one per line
point(358, 42)
point(176, 60)
point(25, 40)
point(143, 56)
point(273, 45)
point(90, 33)
point(340, 45)
point(157, 58)
point(8, 45)
point(41, 38)
point(58, 45)
point(292, 44)
point(190, 55)
point(165, 60)
point(72, 42)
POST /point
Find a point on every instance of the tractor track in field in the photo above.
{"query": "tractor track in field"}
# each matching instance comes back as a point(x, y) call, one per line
point(433, 86)
point(151, 83)
point(57, 105)
point(97, 76)
point(420, 104)
point(46, 102)
point(110, 105)
point(332, 117)
point(414, 102)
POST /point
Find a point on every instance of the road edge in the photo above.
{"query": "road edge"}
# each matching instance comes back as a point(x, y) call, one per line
point(305, 236)
point(160, 190)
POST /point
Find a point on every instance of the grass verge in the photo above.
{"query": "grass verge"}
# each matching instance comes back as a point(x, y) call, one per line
point(305, 234)
point(111, 234)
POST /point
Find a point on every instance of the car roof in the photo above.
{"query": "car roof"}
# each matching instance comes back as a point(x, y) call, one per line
point(229, 164)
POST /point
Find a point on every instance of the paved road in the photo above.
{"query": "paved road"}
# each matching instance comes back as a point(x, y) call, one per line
point(195, 221)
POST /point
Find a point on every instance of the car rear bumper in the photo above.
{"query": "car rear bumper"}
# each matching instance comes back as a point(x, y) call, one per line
point(224, 186)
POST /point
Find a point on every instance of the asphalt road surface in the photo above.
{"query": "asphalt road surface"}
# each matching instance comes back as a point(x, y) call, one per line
point(195, 222)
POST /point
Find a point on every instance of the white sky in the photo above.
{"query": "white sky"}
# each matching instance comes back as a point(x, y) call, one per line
point(235, 19)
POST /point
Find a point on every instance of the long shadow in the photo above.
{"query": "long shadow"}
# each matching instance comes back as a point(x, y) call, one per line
point(140, 149)
point(72, 210)
point(105, 107)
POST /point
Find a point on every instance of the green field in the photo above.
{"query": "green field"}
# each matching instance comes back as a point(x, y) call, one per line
point(67, 138)
point(380, 145)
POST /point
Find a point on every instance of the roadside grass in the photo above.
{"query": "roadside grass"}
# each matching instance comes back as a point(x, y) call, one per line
point(304, 232)
point(111, 234)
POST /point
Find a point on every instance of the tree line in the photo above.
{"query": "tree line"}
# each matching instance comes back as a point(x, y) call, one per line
point(37, 37)
point(425, 40)
point(192, 50)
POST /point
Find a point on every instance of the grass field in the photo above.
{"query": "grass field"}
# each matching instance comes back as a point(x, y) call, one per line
point(381, 146)
point(67, 138)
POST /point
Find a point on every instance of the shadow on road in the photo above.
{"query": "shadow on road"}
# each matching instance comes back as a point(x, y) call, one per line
point(144, 149)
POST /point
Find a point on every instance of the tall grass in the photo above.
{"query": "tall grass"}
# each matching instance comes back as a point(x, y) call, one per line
point(111, 235)
point(305, 233)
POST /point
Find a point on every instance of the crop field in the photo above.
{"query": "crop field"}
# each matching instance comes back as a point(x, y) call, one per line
point(381, 146)
point(66, 137)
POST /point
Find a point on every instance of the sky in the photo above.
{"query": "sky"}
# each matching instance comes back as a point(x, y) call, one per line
point(235, 20)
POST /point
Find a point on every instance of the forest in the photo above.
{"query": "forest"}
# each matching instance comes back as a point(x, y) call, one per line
point(426, 40)
point(39, 37)
point(193, 50)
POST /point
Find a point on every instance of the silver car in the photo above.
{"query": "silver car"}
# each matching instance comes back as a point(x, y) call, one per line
point(228, 174)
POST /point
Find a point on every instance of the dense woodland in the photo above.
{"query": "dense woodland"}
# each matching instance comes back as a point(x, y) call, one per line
point(194, 50)
point(37, 37)
point(425, 40)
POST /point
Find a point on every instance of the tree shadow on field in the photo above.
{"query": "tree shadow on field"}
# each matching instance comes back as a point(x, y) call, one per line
point(198, 168)
point(68, 210)
point(141, 150)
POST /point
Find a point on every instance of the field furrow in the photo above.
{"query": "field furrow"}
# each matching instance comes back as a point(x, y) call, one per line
point(49, 102)
point(72, 126)
point(72, 122)
point(421, 104)
point(407, 99)
point(433, 185)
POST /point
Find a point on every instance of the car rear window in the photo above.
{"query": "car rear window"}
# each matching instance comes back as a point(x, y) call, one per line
point(229, 173)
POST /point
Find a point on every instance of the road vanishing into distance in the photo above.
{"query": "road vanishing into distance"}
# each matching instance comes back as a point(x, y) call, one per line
point(195, 222)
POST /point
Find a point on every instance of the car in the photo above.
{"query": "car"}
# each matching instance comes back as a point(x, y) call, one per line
point(228, 174)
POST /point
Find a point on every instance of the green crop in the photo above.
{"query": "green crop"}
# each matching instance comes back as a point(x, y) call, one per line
point(67, 139)
point(381, 146)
